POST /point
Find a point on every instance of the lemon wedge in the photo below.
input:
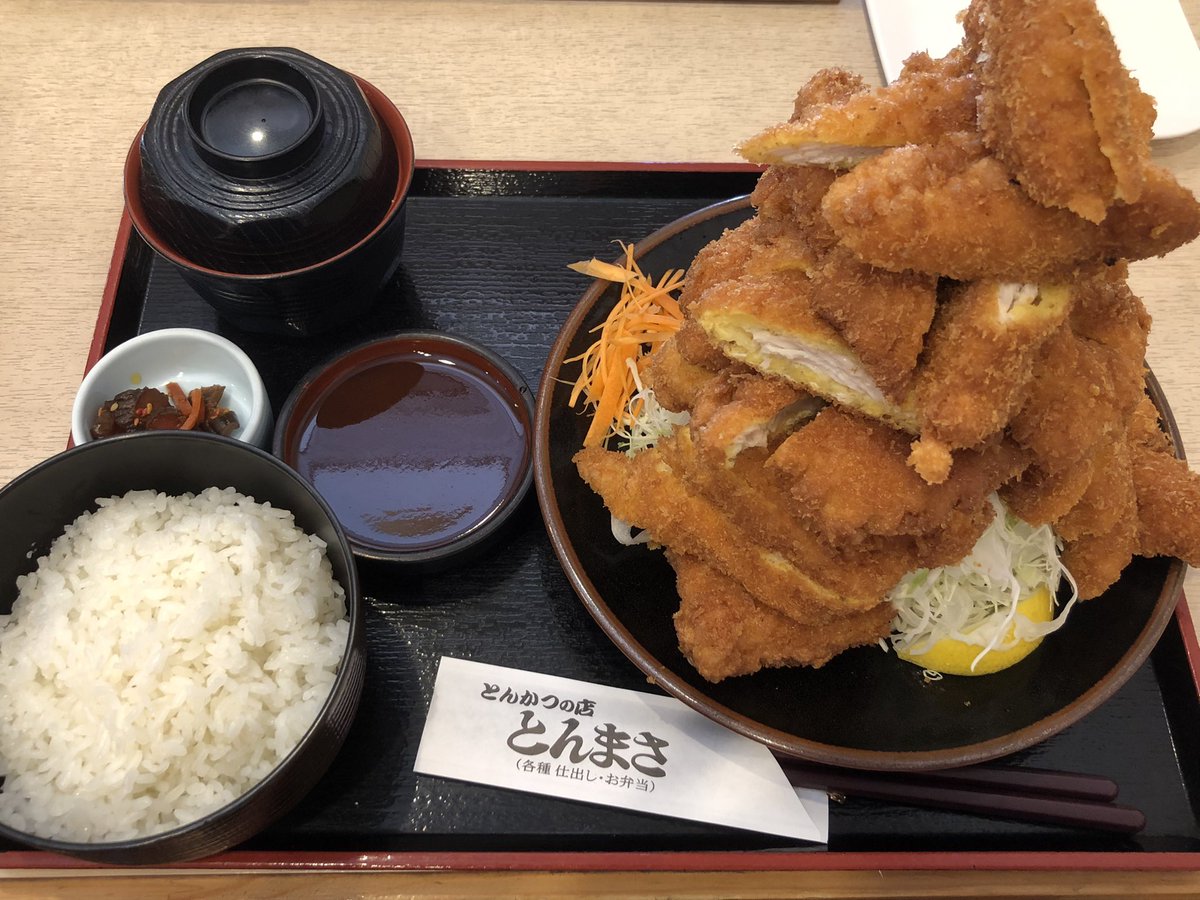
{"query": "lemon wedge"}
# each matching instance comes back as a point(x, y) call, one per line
point(954, 657)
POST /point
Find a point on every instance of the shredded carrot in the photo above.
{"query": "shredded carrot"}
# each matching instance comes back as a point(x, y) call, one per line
point(197, 401)
point(179, 398)
point(643, 318)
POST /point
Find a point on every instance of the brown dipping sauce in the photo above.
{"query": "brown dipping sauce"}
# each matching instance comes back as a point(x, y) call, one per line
point(414, 450)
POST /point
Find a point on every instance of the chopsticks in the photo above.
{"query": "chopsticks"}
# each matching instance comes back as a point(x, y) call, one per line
point(1024, 794)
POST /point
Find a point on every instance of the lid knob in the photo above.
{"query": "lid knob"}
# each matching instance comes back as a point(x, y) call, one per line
point(255, 117)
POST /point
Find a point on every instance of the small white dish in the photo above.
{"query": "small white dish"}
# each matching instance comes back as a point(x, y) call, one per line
point(190, 357)
point(1154, 38)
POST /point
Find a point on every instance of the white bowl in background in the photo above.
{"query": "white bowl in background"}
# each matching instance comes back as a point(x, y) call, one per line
point(190, 357)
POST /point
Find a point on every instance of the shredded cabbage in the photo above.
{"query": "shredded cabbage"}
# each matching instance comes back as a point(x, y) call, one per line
point(975, 601)
point(623, 532)
point(646, 420)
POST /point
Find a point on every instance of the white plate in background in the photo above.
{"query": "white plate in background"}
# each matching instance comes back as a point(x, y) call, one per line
point(1154, 38)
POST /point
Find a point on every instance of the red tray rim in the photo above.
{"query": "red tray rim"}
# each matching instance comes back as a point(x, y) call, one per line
point(600, 861)
point(638, 861)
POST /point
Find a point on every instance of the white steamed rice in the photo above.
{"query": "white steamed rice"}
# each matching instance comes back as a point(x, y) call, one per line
point(163, 658)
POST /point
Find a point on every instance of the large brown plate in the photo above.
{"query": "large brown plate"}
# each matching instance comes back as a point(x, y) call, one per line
point(865, 709)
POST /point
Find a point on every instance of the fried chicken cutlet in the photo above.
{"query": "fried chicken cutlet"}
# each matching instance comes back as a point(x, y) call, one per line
point(724, 632)
point(756, 247)
point(1089, 389)
point(930, 97)
point(1107, 313)
point(1100, 532)
point(750, 495)
point(793, 194)
point(741, 556)
point(882, 316)
point(944, 259)
point(736, 412)
point(849, 476)
point(1071, 405)
point(676, 381)
point(951, 209)
point(979, 355)
point(1168, 493)
point(1097, 560)
point(1168, 504)
point(1109, 496)
point(645, 491)
point(768, 322)
point(696, 347)
point(739, 509)
point(1056, 105)
point(1042, 497)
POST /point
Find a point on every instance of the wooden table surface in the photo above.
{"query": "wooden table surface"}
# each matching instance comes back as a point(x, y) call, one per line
point(520, 80)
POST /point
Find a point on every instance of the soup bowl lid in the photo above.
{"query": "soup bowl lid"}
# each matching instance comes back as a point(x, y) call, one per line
point(263, 160)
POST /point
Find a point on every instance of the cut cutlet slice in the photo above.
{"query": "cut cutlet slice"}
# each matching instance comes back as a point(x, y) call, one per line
point(849, 477)
point(761, 513)
point(717, 261)
point(695, 347)
point(756, 247)
point(733, 413)
point(1107, 312)
point(1101, 533)
point(1168, 503)
point(1071, 405)
point(929, 98)
point(768, 322)
point(793, 194)
point(1041, 497)
point(724, 632)
point(829, 86)
point(1145, 428)
point(979, 356)
point(781, 246)
point(676, 381)
point(1057, 62)
point(1097, 560)
point(1109, 495)
point(951, 209)
point(883, 316)
point(644, 491)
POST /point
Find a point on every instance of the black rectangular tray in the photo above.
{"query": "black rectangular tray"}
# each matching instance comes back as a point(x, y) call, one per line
point(485, 257)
